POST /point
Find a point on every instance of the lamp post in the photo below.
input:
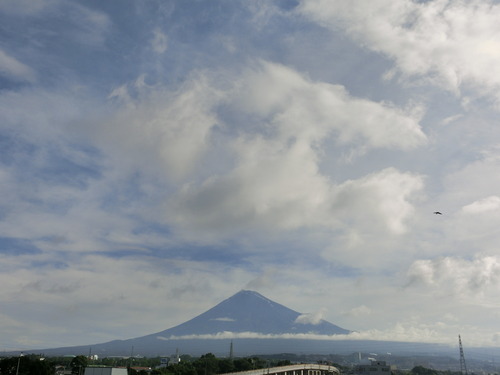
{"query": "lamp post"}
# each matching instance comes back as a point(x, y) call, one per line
point(18, 363)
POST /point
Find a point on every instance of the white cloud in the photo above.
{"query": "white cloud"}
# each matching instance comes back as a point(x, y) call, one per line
point(276, 182)
point(380, 198)
point(164, 137)
point(14, 69)
point(468, 280)
point(311, 318)
point(161, 130)
point(449, 42)
point(312, 111)
point(273, 183)
point(400, 333)
point(280, 186)
point(491, 203)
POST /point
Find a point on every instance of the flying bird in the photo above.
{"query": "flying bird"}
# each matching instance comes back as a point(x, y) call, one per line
point(437, 213)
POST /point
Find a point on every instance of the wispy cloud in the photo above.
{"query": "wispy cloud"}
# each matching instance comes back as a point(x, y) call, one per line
point(224, 319)
point(14, 69)
point(159, 42)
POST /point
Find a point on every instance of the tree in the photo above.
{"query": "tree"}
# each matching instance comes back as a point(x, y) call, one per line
point(207, 364)
point(420, 370)
point(28, 365)
point(182, 368)
point(78, 364)
point(8, 365)
point(226, 365)
point(39, 366)
point(243, 364)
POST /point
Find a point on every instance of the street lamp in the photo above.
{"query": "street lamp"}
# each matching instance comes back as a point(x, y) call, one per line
point(18, 362)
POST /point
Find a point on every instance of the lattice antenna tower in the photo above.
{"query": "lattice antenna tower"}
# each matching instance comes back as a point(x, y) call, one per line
point(463, 367)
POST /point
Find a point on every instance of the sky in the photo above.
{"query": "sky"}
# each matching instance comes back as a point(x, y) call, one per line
point(157, 157)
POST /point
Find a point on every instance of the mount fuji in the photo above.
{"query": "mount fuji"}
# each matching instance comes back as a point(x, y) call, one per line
point(249, 311)
point(254, 322)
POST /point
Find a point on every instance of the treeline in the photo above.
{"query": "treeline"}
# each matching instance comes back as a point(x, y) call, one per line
point(209, 364)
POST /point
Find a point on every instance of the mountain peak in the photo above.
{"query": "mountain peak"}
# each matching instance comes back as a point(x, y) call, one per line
point(249, 294)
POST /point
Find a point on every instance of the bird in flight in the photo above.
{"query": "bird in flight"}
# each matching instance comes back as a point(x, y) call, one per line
point(437, 213)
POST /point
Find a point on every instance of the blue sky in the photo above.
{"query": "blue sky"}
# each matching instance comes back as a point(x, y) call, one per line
point(157, 157)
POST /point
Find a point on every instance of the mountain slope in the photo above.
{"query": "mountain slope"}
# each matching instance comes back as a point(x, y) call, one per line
point(249, 311)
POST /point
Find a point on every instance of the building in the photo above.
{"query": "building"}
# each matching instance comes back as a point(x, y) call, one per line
point(105, 371)
point(373, 368)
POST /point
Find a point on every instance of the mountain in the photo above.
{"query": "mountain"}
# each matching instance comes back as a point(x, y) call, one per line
point(249, 311)
point(227, 325)
point(246, 311)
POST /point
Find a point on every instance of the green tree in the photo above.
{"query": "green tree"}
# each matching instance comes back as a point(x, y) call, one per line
point(207, 364)
point(78, 365)
point(420, 370)
point(226, 365)
point(28, 365)
point(243, 364)
point(39, 366)
point(9, 365)
point(182, 368)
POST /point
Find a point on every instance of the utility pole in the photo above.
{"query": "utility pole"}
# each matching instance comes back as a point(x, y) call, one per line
point(463, 367)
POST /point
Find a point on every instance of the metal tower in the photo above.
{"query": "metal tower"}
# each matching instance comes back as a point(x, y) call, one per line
point(463, 367)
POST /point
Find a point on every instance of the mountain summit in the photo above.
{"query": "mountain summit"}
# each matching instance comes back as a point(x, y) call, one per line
point(249, 311)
